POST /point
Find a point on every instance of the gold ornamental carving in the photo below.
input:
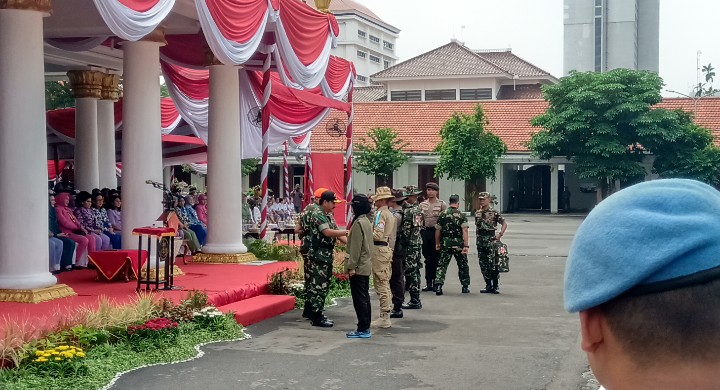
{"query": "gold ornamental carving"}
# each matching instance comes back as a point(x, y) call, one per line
point(36, 295)
point(44, 6)
point(156, 35)
point(110, 87)
point(143, 272)
point(86, 83)
point(224, 258)
point(323, 5)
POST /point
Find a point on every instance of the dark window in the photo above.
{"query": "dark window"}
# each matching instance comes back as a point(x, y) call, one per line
point(387, 45)
point(361, 33)
point(374, 58)
point(476, 94)
point(440, 94)
point(374, 39)
point(387, 64)
point(361, 78)
point(399, 96)
point(598, 47)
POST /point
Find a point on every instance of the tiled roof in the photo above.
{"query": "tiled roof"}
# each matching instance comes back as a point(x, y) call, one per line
point(419, 123)
point(520, 91)
point(512, 63)
point(452, 59)
point(348, 5)
point(372, 93)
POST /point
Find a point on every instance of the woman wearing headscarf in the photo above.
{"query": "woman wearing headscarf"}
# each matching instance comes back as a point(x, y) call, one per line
point(102, 221)
point(358, 264)
point(114, 214)
point(192, 220)
point(188, 235)
point(201, 209)
point(85, 215)
point(68, 245)
point(75, 231)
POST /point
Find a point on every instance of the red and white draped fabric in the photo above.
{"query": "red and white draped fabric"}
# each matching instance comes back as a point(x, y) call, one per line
point(190, 91)
point(309, 169)
point(348, 162)
point(286, 170)
point(133, 19)
point(75, 44)
point(265, 110)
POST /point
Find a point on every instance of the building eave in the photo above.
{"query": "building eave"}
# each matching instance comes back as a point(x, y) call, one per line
point(462, 76)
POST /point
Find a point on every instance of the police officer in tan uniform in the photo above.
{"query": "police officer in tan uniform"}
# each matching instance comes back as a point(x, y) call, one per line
point(384, 224)
point(431, 209)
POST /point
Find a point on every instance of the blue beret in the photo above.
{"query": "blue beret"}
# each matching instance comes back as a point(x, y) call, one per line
point(651, 233)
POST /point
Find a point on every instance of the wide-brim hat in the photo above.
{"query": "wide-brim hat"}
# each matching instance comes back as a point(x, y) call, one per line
point(399, 195)
point(484, 195)
point(411, 190)
point(382, 193)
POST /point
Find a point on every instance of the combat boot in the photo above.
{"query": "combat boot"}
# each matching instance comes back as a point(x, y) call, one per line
point(438, 289)
point(429, 286)
point(383, 321)
point(414, 301)
point(306, 311)
point(495, 286)
point(396, 313)
point(488, 287)
point(465, 290)
point(321, 321)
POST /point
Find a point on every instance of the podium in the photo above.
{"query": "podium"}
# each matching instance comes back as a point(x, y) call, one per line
point(164, 251)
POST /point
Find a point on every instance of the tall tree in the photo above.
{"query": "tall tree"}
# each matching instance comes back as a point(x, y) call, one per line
point(467, 149)
point(382, 154)
point(58, 95)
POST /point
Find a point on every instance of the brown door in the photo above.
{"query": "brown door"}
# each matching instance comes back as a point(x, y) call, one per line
point(383, 181)
point(426, 174)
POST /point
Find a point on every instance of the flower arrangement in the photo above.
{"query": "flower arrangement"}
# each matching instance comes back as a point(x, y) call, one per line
point(62, 361)
point(60, 353)
point(208, 317)
point(154, 332)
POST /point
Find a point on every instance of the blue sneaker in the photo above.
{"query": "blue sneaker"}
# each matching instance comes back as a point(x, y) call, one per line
point(359, 335)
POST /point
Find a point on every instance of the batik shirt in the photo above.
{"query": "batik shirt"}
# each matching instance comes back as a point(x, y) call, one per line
point(451, 223)
point(101, 219)
point(86, 217)
point(487, 220)
point(182, 215)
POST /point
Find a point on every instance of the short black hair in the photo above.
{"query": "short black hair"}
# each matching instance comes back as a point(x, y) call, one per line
point(676, 325)
point(454, 198)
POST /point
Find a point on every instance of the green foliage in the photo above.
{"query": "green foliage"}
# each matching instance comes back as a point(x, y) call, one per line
point(187, 168)
point(282, 282)
point(382, 154)
point(706, 88)
point(164, 90)
point(599, 121)
point(249, 165)
point(58, 95)
point(265, 250)
point(467, 149)
point(183, 311)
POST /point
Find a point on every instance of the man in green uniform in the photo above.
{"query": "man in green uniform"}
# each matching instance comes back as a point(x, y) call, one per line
point(302, 229)
point(409, 233)
point(486, 219)
point(246, 213)
point(451, 239)
point(323, 231)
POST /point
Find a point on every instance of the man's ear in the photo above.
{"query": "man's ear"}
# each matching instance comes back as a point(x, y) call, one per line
point(591, 325)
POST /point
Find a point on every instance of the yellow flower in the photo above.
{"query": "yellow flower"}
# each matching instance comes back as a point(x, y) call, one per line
point(79, 349)
point(55, 353)
point(46, 354)
point(68, 355)
point(81, 354)
point(63, 347)
point(57, 358)
point(41, 359)
point(39, 353)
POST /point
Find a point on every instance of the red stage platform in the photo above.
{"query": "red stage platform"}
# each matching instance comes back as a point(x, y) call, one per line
point(225, 284)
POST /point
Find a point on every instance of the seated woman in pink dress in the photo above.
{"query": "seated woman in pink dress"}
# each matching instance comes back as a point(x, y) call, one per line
point(74, 230)
point(201, 209)
point(85, 215)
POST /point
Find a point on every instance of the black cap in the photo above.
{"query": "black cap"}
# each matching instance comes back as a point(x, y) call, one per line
point(359, 199)
point(329, 196)
point(433, 186)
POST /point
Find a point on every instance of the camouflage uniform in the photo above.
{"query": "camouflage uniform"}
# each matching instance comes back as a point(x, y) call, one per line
point(305, 247)
point(411, 224)
point(451, 223)
point(485, 222)
point(321, 255)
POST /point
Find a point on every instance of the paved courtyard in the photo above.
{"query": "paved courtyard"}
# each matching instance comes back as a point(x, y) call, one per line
point(520, 339)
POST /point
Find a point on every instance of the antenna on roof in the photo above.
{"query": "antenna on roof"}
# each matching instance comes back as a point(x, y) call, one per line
point(462, 33)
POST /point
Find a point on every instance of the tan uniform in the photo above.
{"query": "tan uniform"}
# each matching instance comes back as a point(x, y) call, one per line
point(384, 224)
point(431, 211)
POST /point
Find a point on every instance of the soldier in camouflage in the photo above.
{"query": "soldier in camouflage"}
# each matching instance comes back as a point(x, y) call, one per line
point(409, 234)
point(302, 229)
point(323, 231)
point(451, 239)
point(486, 220)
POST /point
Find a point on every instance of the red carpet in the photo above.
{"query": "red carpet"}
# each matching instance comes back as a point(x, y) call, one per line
point(261, 307)
point(224, 284)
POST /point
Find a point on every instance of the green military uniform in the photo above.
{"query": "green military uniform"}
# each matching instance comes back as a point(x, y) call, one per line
point(451, 223)
point(305, 247)
point(485, 222)
point(246, 213)
point(409, 237)
point(321, 255)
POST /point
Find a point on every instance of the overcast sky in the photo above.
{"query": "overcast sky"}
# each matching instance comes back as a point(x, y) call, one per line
point(534, 30)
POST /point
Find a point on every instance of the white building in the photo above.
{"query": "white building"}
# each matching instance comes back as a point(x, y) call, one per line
point(365, 39)
point(601, 35)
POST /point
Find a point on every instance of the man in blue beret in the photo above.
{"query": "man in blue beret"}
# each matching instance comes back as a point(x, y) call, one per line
point(644, 273)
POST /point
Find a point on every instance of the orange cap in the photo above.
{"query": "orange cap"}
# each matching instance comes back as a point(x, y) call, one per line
point(319, 192)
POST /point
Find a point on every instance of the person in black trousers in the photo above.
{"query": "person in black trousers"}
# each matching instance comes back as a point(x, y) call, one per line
point(431, 209)
point(358, 264)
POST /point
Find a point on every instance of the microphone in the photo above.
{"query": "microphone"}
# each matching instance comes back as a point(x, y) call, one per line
point(155, 184)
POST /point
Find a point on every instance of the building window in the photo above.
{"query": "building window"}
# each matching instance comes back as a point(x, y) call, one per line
point(361, 54)
point(374, 58)
point(361, 33)
point(374, 39)
point(387, 45)
point(361, 78)
point(386, 64)
point(598, 35)
point(402, 96)
point(440, 94)
point(476, 94)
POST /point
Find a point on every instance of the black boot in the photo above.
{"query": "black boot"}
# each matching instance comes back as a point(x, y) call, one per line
point(465, 290)
point(429, 286)
point(414, 301)
point(488, 287)
point(321, 321)
point(306, 311)
point(495, 286)
point(396, 312)
point(438, 289)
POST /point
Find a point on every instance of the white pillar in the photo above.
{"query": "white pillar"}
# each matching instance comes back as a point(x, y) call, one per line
point(23, 177)
point(554, 188)
point(142, 145)
point(87, 174)
point(224, 233)
point(167, 175)
point(106, 131)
